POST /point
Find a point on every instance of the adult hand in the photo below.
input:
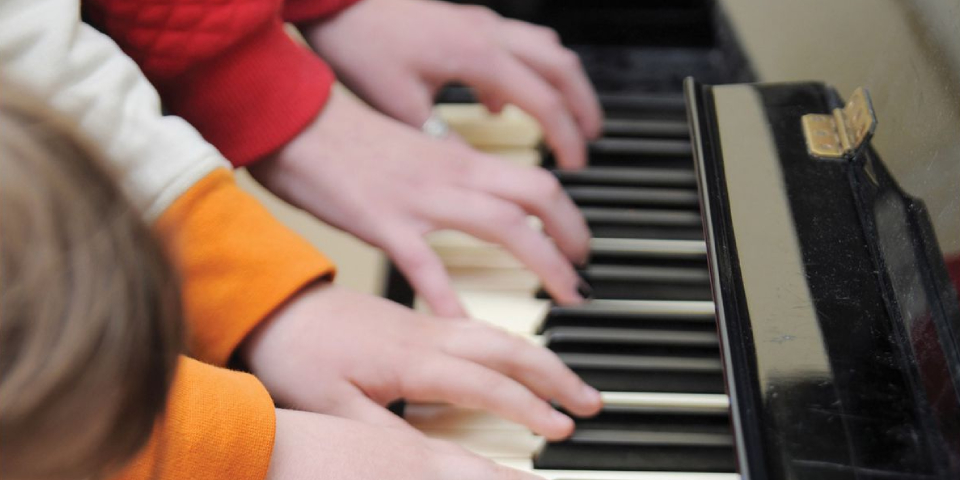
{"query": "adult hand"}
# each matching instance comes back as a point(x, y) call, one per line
point(397, 53)
point(389, 184)
point(330, 350)
point(308, 446)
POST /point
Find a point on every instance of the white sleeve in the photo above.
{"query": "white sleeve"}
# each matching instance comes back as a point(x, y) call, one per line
point(46, 51)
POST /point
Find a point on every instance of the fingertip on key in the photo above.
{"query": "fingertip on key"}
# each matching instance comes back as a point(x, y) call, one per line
point(591, 400)
point(562, 426)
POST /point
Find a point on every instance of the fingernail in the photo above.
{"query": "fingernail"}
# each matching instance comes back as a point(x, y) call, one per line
point(585, 290)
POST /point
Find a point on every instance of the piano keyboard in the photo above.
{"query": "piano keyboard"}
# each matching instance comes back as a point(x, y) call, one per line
point(647, 341)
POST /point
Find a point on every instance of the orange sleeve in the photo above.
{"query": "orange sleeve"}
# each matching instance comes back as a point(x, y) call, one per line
point(237, 263)
point(219, 424)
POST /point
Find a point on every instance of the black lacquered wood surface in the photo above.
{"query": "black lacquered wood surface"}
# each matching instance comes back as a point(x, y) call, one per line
point(860, 387)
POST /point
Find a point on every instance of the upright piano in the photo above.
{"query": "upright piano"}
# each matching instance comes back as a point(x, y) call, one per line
point(771, 301)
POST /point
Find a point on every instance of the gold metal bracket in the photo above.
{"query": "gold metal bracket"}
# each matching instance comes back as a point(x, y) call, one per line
point(842, 133)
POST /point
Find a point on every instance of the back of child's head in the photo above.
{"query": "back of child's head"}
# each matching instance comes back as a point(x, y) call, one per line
point(89, 309)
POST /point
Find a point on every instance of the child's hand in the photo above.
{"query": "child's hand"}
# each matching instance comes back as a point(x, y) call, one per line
point(334, 351)
point(308, 446)
point(389, 184)
point(398, 69)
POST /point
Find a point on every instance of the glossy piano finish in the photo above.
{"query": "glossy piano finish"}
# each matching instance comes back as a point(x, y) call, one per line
point(838, 330)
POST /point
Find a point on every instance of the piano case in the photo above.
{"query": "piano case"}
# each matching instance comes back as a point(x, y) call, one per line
point(836, 314)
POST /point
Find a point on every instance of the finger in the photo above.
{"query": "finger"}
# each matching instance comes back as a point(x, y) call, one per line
point(493, 103)
point(425, 272)
point(540, 194)
point(444, 378)
point(355, 405)
point(498, 221)
point(404, 98)
point(533, 366)
point(509, 80)
point(540, 49)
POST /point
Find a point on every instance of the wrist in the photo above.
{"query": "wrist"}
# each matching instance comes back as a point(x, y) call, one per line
point(279, 328)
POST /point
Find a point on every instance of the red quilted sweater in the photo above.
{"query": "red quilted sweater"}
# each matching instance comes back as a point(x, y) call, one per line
point(226, 66)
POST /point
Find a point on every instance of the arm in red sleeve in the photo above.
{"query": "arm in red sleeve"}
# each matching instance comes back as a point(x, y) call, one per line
point(227, 67)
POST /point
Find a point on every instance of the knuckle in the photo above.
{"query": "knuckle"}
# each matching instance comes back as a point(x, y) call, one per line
point(568, 60)
point(511, 217)
point(481, 14)
point(547, 186)
point(549, 34)
point(552, 105)
point(495, 386)
point(414, 259)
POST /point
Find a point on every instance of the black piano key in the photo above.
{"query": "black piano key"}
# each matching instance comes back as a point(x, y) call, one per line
point(665, 218)
point(640, 450)
point(639, 197)
point(648, 251)
point(642, 282)
point(644, 223)
point(656, 128)
point(646, 282)
point(627, 176)
point(656, 420)
point(659, 105)
point(632, 360)
point(638, 147)
point(641, 373)
point(633, 342)
point(638, 152)
point(632, 230)
point(626, 314)
point(566, 339)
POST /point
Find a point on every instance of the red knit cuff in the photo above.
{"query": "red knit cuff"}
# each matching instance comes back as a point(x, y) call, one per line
point(254, 98)
point(953, 268)
point(300, 11)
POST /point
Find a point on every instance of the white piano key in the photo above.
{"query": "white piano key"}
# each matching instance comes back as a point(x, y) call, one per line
point(666, 402)
point(526, 465)
point(517, 313)
point(649, 247)
point(474, 123)
point(647, 308)
point(442, 417)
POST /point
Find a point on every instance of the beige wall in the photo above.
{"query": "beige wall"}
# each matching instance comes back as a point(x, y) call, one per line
point(906, 52)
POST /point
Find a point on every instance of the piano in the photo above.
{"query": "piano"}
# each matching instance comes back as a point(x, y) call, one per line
point(770, 301)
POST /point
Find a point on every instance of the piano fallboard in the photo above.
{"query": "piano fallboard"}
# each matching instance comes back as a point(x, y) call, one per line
point(838, 326)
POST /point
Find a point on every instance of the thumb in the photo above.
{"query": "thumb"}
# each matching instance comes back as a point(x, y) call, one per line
point(405, 98)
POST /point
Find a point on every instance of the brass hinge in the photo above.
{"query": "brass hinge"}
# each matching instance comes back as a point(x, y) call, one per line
point(842, 133)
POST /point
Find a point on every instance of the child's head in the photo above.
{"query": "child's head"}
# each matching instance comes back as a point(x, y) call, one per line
point(89, 309)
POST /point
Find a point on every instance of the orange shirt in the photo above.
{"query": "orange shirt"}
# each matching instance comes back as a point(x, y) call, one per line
point(237, 264)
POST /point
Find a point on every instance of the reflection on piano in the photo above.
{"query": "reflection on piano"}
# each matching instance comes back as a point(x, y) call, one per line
point(801, 326)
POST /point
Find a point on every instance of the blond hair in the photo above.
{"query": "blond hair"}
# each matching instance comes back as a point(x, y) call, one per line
point(89, 309)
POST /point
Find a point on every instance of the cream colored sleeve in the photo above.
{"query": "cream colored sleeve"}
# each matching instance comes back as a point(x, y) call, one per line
point(47, 52)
